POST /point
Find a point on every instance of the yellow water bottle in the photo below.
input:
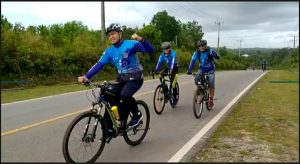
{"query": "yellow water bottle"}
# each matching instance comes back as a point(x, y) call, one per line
point(175, 80)
point(115, 111)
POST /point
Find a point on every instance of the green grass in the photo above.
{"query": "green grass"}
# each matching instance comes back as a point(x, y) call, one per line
point(42, 91)
point(268, 115)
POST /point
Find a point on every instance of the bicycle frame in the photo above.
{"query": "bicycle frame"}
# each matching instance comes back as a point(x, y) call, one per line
point(102, 103)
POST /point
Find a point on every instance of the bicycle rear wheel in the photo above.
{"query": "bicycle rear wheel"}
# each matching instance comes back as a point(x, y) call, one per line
point(82, 142)
point(198, 103)
point(174, 98)
point(208, 107)
point(159, 99)
point(135, 136)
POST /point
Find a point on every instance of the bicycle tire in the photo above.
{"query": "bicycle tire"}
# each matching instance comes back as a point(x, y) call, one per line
point(66, 140)
point(160, 97)
point(198, 103)
point(144, 126)
point(174, 100)
point(207, 105)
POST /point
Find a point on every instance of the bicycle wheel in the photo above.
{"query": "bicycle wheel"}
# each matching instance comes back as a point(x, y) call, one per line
point(174, 98)
point(159, 99)
point(82, 142)
point(208, 107)
point(135, 136)
point(198, 103)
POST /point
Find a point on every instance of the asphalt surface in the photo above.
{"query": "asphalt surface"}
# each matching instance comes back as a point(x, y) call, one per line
point(32, 131)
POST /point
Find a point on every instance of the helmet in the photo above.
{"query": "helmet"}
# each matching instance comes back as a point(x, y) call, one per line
point(114, 27)
point(165, 45)
point(201, 42)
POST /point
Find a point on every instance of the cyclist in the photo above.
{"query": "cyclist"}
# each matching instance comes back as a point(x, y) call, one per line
point(169, 57)
point(122, 54)
point(205, 56)
point(263, 64)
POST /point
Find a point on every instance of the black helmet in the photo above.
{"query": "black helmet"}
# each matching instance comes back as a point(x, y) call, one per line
point(165, 45)
point(201, 42)
point(114, 27)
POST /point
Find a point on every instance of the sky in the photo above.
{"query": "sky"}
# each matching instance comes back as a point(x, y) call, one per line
point(242, 24)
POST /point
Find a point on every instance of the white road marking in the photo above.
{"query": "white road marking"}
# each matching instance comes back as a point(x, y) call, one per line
point(181, 152)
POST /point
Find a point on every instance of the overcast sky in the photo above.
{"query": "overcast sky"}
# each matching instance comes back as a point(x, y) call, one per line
point(257, 24)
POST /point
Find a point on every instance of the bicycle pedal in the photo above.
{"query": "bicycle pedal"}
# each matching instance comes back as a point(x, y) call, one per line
point(108, 139)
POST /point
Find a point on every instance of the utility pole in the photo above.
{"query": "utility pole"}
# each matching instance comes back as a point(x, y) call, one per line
point(102, 24)
point(240, 47)
point(294, 41)
point(176, 40)
point(218, 23)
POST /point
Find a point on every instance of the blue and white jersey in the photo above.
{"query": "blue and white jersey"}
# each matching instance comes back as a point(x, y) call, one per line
point(123, 56)
point(205, 60)
point(170, 60)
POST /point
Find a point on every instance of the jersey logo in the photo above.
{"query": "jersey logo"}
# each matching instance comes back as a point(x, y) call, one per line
point(125, 55)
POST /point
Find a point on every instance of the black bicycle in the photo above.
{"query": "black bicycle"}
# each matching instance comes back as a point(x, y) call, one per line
point(164, 91)
point(201, 96)
point(87, 134)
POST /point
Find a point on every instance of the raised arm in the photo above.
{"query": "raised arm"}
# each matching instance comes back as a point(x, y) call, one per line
point(144, 46)
point(192, 63)
point(99, 65)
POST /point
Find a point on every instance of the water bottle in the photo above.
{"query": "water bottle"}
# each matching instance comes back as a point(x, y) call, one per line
point(175, 80)
point(115, 111)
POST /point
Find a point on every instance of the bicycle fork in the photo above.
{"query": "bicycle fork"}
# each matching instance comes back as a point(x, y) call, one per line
point(85, 136)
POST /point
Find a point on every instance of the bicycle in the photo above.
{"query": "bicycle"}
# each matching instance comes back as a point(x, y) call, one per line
point(264, 67)
point(90, 128)
point(201, 96)
point(163, 93)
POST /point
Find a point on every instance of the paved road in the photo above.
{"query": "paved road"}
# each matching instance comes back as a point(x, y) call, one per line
point(32, 131)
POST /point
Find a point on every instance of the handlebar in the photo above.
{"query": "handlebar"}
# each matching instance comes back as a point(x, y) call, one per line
point(163, 72)
point(105, 83)
point(205, 73)
point(104, 86)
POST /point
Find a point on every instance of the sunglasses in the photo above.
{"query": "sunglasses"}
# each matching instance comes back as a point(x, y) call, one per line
point(201, 45)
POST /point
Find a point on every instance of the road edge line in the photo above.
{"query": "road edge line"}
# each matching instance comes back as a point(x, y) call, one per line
point(187, 147)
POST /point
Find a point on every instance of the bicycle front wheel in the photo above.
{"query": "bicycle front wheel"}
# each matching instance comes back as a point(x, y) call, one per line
point(159, 99)
point(198, 103)
point(84, 139)
point(136, 135)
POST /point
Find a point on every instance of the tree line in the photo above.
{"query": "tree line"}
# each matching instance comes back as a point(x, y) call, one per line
point(59, 53)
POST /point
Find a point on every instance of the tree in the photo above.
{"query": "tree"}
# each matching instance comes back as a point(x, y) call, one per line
point(191, 32)
point(128, 31)
point(168, 25)
point(151, 33)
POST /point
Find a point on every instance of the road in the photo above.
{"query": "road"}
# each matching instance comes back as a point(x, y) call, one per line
point(32, 131)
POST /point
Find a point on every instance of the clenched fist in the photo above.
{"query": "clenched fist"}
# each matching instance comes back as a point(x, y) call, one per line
point(136, 37)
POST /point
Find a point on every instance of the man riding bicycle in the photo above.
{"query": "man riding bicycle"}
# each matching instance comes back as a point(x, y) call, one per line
point(122, 54)
point(263, 64)
point(169, 57)
point(205, 56)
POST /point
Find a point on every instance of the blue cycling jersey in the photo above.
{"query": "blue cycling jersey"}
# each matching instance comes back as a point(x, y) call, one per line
point(205, 60)
point(123, 57)
point(170, 60)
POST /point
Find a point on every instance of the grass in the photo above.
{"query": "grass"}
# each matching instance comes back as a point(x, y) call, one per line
point(42, 91)
point(263, 127)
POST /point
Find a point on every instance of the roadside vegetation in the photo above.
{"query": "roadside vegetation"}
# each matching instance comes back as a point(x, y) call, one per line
point(263, 127)
point(57, 54)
